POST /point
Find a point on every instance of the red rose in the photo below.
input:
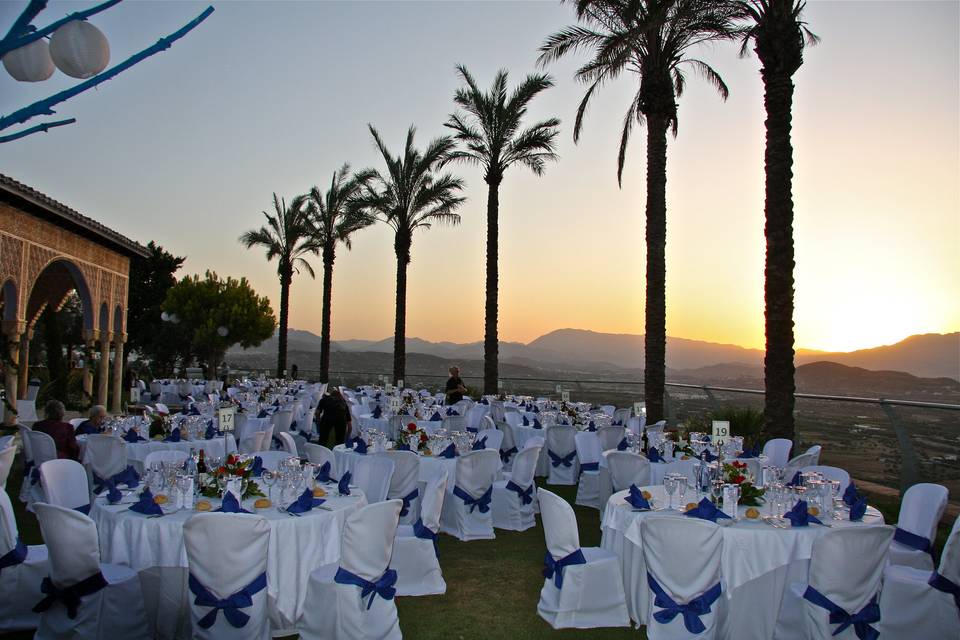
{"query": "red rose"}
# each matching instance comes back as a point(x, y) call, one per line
point(231, 460)
point(222, 471)
point(740, 465)
point(737, 479)
point(423, 437)
point(412, 427)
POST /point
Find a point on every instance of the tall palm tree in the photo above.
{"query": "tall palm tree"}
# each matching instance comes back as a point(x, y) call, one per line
point(288, 237)
point(653, 40)
point(410, 195)
point(336, 216)
point(778, 35)
point(491, 137)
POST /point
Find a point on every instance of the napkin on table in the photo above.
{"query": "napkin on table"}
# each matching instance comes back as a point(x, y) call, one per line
point(256, 468)
point(113, 494)
point(635, 499)
point(436, 417)
point(480, 444)
point(360, 446)
point(449, 452)
point(343, 486)
point(706, 510)
point(174, 436)
point(323, 473)
point(230, 504)
point(799, 517)
point(305, 502)
point(858, 509)
point(146, 505)
point(850, 494)
point(653, 454)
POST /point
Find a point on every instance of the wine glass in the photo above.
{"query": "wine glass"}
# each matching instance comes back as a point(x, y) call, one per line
point(681, 489)
point(269, 478)
point(670, 485)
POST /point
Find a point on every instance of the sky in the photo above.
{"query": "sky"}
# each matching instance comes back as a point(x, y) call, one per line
point(187, 148)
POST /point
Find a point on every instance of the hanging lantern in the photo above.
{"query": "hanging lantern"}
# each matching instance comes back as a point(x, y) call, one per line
point(79, 49)
point(30, 63)
point(222, 332)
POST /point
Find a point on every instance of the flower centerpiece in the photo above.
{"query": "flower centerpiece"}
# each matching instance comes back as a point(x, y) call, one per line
point(737, 473)
point(233, 468)
point(413, 437)
point(160, 426)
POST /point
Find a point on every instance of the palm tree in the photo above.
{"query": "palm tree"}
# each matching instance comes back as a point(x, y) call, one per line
point(653, 40)
point(410, 196)
point(287, 236)
point(336, 216)
point(778, 35)
point(491, 137)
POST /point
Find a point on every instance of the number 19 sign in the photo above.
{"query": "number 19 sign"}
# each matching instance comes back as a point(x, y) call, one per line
point(721, 432)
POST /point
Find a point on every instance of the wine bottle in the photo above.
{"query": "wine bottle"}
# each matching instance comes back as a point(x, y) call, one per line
point(202, 470)
point(645, 440)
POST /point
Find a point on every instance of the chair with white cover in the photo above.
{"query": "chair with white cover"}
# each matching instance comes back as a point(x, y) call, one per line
point(289, 445)
point(830, 473)
point(508, 446)
point(170, 455)
point(513, 418)
point(474, 415)
point(920, 512)
point(514, 497)
point(24, 568)
point(281, 420)
point(627, 468)
point(608, 409)
point(318, 454)
point(76, 422)
point(373, 475)
point(454, 423)
point(65, 484)
point(414, 550)
point(684, 587)
point(162, 408)
point(588, 452)
point(29, 480)
point(562, 452)
point(916, 603)
point(43, 449)
point(796, 463)
point(583, 586)
point(492, 438)
point(622, 416)
point(272, 459)
point(778, 451)
point(253, 442)
point(404, 483)
point(814, 451)
point(7, 455)
point(355, 598)
point(227, 561)
point(84, 598)
point(466, 514)
point(610, 437)
point(106, 456)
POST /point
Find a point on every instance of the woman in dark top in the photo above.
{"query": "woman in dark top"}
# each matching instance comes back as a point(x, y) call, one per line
point(333, 414)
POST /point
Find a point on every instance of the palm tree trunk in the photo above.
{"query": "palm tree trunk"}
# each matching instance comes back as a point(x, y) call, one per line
point(491, 343)
point(285, 279)
point(402, 248)
point(655, 333)
point(328, 258)
point(778, 366)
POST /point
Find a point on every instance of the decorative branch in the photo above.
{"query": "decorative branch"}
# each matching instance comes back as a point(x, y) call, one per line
point(18, 40)
point(37, 129)
point(22, 23)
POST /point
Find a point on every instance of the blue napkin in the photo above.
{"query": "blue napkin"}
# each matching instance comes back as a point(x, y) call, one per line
point(360, 446)
point(850, 495)
point(323, 474)
point(795, 481)
point(348, 443)
point(526, 422)
point(452, 412)
point(174, 436)
point(146, 505)
point(436, 417)
point(653, 455)
point(449, 452)
point(263, 414)
point(377, 412)
point(211, 433)
point(706, 510)
point(858, 509)
point(483, 401)
point(592, 425)
point(132, 436)
point(276, 402)
point(636, 499)
point(403, 446)
point(230, 504)
point(256, 468)
point(536, 409)
point(709, 457)
point(536, 424)
point(305, 502)
point(750, 453)
point(113, 494)
point(799, 517)
point(344, 485)
point(480, 444)
point(194, 411)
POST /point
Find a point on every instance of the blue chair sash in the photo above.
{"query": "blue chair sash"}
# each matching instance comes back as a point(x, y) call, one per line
point(912, 540)
point(128, 476)
point(860, 620)
point(15, 556)
point(35, 475)
point(566, 460)
point(937, 581)
point(590, 466)
point(554, 568)
point(505, 454)
point(691, 611)
point(84, 509)
point(383, 587)
point(70, 596)
point(230, 606)
point(407, 499)
point(27, 468)
point(423, 532)
point(483, 502)
point(525, 495)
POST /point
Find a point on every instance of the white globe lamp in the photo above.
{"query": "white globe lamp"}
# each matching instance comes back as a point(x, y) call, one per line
point(79, 49)
point(30, 63)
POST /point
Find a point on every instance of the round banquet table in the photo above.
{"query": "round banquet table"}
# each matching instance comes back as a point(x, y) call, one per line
point(153, 546)
point(758, 562)
point(137, 451)
point(383, 424)
point(429, 465)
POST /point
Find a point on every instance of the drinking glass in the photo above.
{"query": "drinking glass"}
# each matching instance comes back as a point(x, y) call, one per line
point(670, 485)
point(269, 478)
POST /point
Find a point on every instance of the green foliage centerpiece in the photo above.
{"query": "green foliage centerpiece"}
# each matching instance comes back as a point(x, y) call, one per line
point(736, 473)
point(233, 468)
point(413, 437)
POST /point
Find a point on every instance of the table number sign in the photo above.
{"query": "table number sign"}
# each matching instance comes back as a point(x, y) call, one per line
point(395, 404)
point(565, 396)
point(225, 416)
point(721, 432)
point(559, 388)
point(400, 383)
point(134, 395)
point(638, 409)
point(388, 388)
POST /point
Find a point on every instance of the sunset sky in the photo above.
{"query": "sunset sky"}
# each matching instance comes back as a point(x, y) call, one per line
point(188, 147)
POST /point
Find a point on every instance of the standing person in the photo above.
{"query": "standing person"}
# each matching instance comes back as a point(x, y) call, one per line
point(455, 387)
point(333, 414)
point(61, 432)
point(93, 424)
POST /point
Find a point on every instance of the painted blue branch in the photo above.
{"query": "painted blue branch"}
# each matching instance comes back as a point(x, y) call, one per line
point(22, 24)
point(15, 42)
point(45, 107)
point(46, 126)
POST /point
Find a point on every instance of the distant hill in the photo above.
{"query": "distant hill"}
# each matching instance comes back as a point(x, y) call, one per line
point(931, 355)
point(835, 378)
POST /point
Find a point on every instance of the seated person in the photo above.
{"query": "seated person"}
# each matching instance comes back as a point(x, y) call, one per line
point(93, 424)
point(61, 432)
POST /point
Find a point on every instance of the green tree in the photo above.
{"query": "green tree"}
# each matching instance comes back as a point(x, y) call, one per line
point(219, 313)
point(288, 237)
point(491, 136)
point(410, 196)
point(336, 216)
point(778, 35)
point(651, 39)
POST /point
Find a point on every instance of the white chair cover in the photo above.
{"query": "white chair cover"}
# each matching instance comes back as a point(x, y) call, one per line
point(476, 472)
point(814, 451)
point(318, 454)
point(608, 409)
point(272, 459)
point(831, 473)
point(227, 553)
point(627, 468)
point(162, 408)
point(474, 415)
point(778, 451)
point(19, 582)
point(281, 420)
point(289, 445)
point(404, 483)
point(494, 438)
point(920, 512)
point(65, 484)
point(106, 455)
point(622, 415)
point(112, 612)
point(509, 443)
point(373, 475)
point(169, 455)
point(26, 492)
point(414, 556)
point(610, 437)
point(7, 455)
point(681, 575)
point(454, 423)
point(796, 463)
point(588, 453)
point(42, 447)
point(338, 610)
point(590, 593)
point(510, 509)
point(562, 455)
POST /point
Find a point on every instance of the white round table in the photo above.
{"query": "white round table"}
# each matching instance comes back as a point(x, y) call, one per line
point(137, 451)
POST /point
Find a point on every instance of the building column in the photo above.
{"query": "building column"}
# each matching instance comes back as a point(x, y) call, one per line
point(13, 330)
point(89, 342)
point(104, 372)
point(24, 361)
point(118, 362)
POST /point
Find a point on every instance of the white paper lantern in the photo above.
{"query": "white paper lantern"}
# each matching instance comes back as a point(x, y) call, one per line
point(79, 49)
point(222, 332)
point(30, 63)
point(165, 316)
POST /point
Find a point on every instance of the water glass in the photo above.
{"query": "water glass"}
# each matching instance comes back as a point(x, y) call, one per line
point(670, 485)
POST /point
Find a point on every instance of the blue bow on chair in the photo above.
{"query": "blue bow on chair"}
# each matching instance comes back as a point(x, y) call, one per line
point(590, 466)
point(128, 476)
point(937, 581)
point(15, 556)
point(860, 620)
point(69, 596)
point(482, 503)
point(554, 568)
point(383, 587)
point(407, 499)
point(505, 454)
point(230, 606)
point(566, 460)
point(525, 495)
point(423, 532)
point(691, 611)
point(913, 541)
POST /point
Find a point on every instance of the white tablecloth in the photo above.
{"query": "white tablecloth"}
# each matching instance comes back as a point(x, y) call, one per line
point(756, 562)
point(660, 469)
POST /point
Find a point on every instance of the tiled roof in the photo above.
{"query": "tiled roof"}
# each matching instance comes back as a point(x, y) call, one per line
point(66, 217)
